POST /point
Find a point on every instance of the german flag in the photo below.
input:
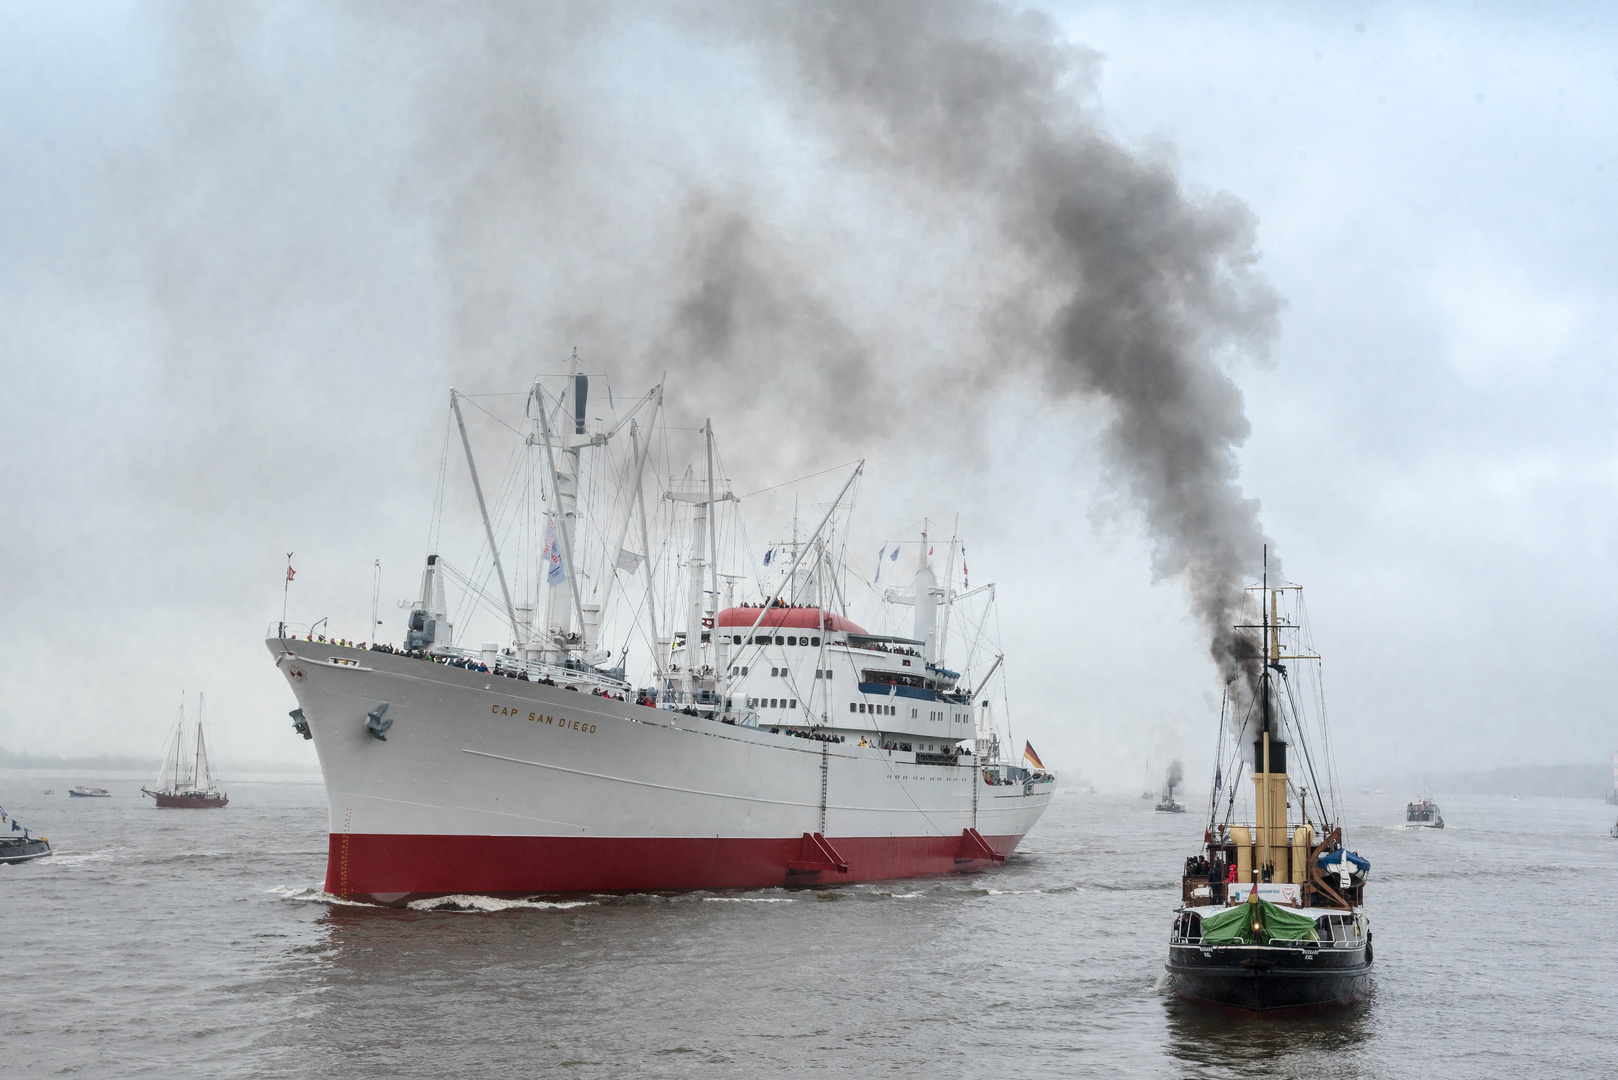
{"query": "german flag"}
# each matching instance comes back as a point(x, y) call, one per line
point(1032, 758)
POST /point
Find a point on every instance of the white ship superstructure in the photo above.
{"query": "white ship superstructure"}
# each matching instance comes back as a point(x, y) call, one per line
point(779, 743)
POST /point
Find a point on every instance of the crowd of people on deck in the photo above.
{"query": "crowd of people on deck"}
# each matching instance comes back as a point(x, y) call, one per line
point(466, 663)
point(896, 650)
point(815, 735)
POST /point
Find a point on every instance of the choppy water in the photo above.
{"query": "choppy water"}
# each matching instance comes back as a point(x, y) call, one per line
point(176, 943)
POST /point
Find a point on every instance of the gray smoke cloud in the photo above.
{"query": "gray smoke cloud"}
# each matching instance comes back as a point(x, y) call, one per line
point(1035, 244)
point(1132, 289)
point(1174, 775)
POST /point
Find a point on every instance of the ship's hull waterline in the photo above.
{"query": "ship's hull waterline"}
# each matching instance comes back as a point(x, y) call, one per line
point(1274, 981)
point(494, 786)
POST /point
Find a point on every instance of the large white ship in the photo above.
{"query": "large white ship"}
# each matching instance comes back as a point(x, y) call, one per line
point(780, 743)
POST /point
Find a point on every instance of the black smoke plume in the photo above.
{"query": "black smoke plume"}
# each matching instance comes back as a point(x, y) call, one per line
point(1172, 777)
point(1131, 288)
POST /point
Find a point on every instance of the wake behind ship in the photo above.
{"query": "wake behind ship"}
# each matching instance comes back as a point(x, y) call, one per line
point(780, 743)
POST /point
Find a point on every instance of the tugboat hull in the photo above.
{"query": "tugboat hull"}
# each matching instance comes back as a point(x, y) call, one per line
point(1265, 979)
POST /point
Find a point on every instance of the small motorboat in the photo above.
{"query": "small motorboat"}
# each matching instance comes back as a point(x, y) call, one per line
point(15, 849)
point(1423, 813)
point(1613, 832)
point(89, 793)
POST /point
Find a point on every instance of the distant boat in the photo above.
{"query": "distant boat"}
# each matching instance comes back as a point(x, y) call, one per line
point(1167, 805)
point(89, 792)
point(186, 784)
point(1613, 831)
point(1424, 813)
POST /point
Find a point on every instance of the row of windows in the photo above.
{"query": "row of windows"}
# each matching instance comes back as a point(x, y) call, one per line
point(766, 639)
point(772, 703)
point(959, 718)
point(883, 710)
point(779, 672)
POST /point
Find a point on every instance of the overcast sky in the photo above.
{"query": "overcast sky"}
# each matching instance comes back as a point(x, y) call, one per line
point(244, 254)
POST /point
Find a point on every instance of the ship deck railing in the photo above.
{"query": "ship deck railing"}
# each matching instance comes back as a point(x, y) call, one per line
point(1178, 938)
point(510, 667)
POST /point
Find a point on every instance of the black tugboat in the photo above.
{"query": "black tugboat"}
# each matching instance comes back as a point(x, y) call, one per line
point(1271, 917)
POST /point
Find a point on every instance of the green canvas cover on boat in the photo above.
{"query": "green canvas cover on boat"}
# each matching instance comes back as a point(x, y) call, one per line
point(1234, 926)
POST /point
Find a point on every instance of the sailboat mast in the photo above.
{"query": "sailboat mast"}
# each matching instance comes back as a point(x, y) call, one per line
point(196, 764)
point(179, 745)
point(202, 780)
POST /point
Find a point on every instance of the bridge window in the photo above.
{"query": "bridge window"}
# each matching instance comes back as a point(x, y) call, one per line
point(792, 641)
point(780, 641)
point(793, 704)
point(815, 642)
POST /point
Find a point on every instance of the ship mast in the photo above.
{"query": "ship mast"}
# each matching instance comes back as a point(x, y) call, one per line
point(179, 745)
point(698, 580)
point(200, 772)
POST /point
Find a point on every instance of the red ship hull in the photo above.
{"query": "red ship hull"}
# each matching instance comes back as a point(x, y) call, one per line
point(395, 869)
point(188, 802)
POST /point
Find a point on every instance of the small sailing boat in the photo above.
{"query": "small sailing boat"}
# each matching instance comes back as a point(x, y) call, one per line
point(1272, 914)
point(184, 782)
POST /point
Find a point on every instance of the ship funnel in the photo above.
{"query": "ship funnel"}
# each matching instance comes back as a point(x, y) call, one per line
point(429, 623)
point(926, 622)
